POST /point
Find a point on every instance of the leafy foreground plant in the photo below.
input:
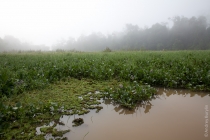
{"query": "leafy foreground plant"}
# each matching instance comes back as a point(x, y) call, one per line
point(128, 95)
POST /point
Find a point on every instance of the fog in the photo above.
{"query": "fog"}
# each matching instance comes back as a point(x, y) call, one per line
point(118, 24)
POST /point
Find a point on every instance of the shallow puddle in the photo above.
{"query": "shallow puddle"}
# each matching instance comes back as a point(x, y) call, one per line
point(174, 115)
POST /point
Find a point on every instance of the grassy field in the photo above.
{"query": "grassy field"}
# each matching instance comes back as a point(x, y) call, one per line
point(36, 88)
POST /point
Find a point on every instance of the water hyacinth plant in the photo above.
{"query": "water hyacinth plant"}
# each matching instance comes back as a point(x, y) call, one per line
point(128, 95)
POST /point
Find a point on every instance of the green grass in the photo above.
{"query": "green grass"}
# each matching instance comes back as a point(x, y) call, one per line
point(37, 88)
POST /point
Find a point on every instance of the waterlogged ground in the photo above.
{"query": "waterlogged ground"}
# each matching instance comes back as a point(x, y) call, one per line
point(26, 112)
point(174, 115)
point(38, 88)
point(61, 94)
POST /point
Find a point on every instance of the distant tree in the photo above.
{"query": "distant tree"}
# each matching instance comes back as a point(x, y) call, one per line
point(189, 31)
point(12, 43)
point(131, 37)
point(157, 36)
point(2, 45)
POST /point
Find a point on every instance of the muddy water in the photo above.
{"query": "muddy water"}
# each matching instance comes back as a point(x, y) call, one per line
point(174, 115)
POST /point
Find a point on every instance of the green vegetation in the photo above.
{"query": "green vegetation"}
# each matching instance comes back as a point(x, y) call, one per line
point(185, 69)
point(129, 95)
point(37, 88)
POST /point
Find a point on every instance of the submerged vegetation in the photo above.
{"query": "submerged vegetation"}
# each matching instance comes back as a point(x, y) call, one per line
point(38, 88)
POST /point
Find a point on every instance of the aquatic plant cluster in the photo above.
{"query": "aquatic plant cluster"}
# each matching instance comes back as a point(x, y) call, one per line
point(31, 95)
point(128, 95)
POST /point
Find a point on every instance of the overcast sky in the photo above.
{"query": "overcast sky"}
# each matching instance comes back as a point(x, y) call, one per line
point(46, 21)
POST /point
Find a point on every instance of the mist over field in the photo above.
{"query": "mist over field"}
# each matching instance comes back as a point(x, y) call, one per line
point(98, 25)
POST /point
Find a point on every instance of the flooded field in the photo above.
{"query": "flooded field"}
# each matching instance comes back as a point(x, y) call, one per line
point(174, 115)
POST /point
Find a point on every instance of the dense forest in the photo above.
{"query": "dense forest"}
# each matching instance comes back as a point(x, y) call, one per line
point(184, 34)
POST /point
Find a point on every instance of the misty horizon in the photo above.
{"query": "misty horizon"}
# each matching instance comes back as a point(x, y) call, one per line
point(184, 34)
point(168, 24)
point(46, 21)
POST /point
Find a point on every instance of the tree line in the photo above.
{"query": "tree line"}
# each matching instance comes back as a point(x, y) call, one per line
point(184, 34)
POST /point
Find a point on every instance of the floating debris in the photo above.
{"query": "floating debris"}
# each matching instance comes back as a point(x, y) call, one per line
point(77, 121)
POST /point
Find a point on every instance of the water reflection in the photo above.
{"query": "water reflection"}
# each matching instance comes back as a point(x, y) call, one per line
point(183, 92)
point(147, 105)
